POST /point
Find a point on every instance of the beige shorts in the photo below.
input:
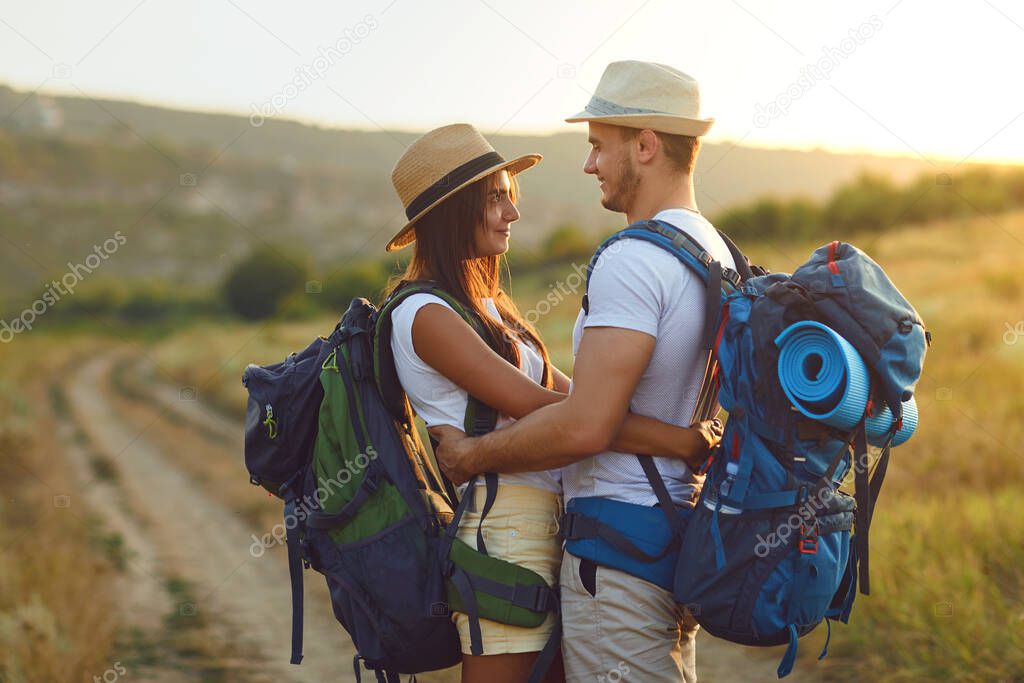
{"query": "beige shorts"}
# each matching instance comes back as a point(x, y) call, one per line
point(616, 627)
point(522, 527)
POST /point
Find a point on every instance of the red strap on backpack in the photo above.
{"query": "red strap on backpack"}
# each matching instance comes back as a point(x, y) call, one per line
point(832, 265)
point(721, 326)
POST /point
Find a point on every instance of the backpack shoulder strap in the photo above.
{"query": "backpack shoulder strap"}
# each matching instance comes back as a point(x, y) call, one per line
point(718, 280)
point(687, 250)
point(479, 418)
point(743, 266)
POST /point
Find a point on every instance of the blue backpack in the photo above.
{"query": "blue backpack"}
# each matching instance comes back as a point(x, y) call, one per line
point(769, 551)
point(281, 414)
point(789, 547)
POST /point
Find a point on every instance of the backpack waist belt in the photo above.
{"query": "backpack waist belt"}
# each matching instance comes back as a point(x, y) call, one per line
point(636, 539)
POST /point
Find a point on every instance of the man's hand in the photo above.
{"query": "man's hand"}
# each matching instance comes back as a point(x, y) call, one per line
point(454, 453)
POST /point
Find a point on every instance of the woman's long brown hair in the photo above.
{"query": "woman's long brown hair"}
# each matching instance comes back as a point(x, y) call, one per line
point(444, 252)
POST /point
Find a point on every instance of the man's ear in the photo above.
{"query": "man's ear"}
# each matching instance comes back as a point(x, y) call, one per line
point(647, 146)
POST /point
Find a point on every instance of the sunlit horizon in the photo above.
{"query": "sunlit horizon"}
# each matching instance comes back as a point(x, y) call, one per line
point(899, 78)
point(566, 128)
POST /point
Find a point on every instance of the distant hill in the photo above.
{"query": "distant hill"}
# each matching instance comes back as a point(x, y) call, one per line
point(193, 191)
point(727, 173)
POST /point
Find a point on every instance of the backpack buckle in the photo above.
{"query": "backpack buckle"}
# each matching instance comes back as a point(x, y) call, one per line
point(533, 598)
point(803, 494)
point(731, 276)
point(655, 226)
point(809, 539)
point(481, 425)
point(566, 525)
point(575, 526)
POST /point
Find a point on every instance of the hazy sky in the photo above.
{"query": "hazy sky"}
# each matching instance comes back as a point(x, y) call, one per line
point(936, 79)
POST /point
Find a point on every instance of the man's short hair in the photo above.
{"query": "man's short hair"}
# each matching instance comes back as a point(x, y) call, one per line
point(681, 150)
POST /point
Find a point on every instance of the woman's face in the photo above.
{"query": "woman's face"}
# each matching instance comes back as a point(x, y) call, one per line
point(499, 213)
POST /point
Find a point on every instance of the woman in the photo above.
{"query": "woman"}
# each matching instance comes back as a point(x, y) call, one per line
point(460, 199)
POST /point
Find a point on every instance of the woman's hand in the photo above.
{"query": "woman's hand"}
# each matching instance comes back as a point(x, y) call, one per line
point(698, 441)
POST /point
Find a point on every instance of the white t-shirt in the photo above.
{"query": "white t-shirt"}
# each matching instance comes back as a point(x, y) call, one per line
point(639, 286)
point(438, 400)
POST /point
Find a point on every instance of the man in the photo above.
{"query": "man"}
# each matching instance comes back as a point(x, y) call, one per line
point(637, 348)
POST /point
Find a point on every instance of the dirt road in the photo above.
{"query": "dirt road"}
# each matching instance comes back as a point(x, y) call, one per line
point(197, 539)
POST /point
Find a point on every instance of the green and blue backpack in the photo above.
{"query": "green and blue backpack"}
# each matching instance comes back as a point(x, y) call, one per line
point(331, 432)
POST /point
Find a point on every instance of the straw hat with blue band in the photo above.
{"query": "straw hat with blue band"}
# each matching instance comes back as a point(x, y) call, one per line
point(439, 164)
point(646, 95)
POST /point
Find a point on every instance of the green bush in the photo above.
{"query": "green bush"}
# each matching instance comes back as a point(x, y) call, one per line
point(361, 279)
point(772, 219)
point(870, 203)
point(158, 300)
point(567, 242)
point(92, 298)
point(258, 285)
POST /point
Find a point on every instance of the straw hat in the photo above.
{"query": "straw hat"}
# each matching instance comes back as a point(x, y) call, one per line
point(439, 164)
point(647, 95)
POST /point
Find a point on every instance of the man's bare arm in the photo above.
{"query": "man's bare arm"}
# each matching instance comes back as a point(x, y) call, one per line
point(609, 364)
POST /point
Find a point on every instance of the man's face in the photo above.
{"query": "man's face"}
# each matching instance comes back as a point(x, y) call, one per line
point(612, 160)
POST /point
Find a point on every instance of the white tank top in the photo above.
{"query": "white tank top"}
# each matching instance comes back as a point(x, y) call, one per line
point(438, 400)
